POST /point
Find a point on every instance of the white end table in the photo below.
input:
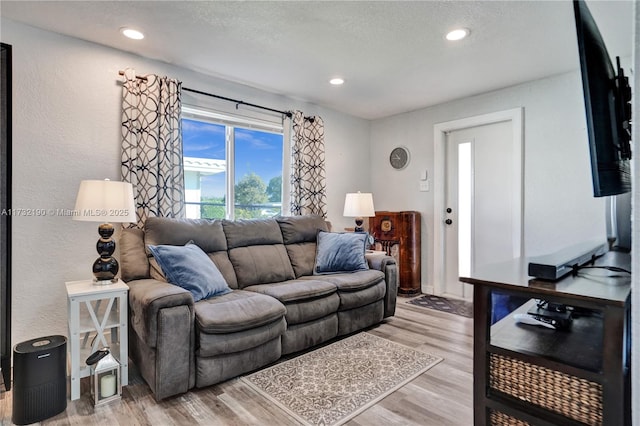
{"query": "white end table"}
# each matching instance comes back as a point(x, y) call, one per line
point(96, 310)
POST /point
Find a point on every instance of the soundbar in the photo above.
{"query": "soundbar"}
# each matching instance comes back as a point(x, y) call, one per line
point(556, 265)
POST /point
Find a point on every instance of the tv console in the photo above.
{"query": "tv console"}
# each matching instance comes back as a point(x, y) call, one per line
point(526, 374)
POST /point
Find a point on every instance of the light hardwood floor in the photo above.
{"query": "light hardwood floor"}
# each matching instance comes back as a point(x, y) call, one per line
point(441, 396)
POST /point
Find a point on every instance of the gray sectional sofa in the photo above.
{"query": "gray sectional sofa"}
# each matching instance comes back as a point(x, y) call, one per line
point(276, 304)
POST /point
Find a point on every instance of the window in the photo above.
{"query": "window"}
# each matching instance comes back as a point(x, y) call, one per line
point(231, 158)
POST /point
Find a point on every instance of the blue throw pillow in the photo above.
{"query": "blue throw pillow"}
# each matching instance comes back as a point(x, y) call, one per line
point(340, 252)
point(190, 268)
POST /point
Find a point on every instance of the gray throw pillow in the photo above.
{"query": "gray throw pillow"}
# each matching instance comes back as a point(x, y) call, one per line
point(340, 252)
point(190, 268)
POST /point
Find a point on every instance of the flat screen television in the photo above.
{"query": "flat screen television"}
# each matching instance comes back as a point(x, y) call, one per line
point(607, 98)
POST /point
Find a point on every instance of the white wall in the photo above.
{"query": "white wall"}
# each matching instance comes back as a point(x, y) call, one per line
point(66, 127)
point(559, 209)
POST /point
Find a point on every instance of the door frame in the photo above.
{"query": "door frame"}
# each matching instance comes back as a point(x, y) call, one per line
point(440, 130)
point(6, 72)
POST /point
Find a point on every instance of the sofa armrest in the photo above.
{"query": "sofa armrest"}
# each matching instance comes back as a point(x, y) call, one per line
point(386, 264)
point(161, 319)
point(146, 298)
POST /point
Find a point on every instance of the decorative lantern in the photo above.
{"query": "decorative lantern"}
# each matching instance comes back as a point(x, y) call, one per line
point(105, 377)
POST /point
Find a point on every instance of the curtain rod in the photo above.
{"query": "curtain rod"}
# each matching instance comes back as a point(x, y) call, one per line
point(236, 101)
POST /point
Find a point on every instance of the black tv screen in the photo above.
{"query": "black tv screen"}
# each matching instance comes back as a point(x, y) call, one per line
point(607, 97)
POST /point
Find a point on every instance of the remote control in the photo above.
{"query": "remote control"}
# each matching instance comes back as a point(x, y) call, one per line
point(531, 320)
point(97, 356)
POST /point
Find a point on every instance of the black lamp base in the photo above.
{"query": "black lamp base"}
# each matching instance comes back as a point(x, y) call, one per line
point(359, 227)
point(105, 268)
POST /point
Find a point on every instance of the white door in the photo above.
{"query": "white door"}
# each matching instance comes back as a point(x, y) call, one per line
point(480, 202)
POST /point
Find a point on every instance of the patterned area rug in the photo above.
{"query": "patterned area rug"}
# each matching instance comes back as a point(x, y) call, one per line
point(330, 385)
point(458, 307)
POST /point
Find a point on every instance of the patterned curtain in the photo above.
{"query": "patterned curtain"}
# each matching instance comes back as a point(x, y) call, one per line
point(308, 177)
point(152, 145)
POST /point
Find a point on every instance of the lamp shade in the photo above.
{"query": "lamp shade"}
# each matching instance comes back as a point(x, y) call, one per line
point(359, 204)
point(105, 201)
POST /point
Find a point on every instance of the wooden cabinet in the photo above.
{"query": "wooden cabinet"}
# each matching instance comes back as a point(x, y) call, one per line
point(398, 234)
point(526, 374)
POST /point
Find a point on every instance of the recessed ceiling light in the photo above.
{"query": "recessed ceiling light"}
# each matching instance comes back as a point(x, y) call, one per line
point(457, 34)
point(131, 33)
point(336, 81)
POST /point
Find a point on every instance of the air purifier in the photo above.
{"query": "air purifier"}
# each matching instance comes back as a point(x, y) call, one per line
point(39, 379)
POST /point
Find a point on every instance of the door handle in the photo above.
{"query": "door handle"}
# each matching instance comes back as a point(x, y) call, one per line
point(448, 221)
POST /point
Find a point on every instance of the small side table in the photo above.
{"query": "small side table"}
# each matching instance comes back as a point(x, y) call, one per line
point(105, 310)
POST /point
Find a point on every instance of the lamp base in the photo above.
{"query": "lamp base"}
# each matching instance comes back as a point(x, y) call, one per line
point(105, 268)
point(359, 227)
point(96, 281)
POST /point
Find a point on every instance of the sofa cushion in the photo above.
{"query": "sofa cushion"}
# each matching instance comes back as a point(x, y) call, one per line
point(295, 290)
point(134, 263)
point(236, 311)
point(257, 252)
point(205, 233)
point(302, 257)
point(221, 259)
point(357, 289)
point(190, 268)
point(340, 252)
point(352, 281)
point(299, 234)
point(251, 232)
point(305, 300)
point(261, 264)
point(301, 229)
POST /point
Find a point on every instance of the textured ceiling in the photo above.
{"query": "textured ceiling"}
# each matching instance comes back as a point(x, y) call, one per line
point(392, 54)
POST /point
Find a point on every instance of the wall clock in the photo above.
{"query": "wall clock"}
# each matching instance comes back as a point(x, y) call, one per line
point(399, 158)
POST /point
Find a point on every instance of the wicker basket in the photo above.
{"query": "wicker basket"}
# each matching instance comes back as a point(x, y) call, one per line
point(496, 418)
point(573, 397)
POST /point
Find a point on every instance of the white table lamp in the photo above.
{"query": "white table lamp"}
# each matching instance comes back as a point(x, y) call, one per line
point(359, 205)
point(105, 201)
